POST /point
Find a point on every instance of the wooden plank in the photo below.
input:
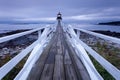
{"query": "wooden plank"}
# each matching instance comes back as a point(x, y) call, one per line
point(70, 72)
point(51, 56)
point(59, 46)
point(80, 70)
point(67, 59)
point(59, 62)
point(47, 72)
point(37, 69)
point(79, 67)
point(59, 68)
point(69, 69)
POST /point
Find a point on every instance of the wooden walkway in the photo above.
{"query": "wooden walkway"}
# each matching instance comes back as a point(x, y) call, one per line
point(58, 61)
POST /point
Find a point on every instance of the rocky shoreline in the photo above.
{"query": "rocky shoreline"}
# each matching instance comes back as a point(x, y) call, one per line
point(12, 32)
point(106, 48)
point(13, 47)
point(109, 33)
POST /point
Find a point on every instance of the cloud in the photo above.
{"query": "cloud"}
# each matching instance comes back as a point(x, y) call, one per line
point(92, 17)
point(47, 9)
point(104, 14)
point(37, 19)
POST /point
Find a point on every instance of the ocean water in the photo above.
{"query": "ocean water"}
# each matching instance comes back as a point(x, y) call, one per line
point(9, 27)
point(97, 27)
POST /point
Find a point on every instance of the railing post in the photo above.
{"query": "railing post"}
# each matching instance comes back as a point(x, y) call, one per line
point(51, 35)
point(82, 54)
point(39, 33)
point(36, 52)
point(78, 33)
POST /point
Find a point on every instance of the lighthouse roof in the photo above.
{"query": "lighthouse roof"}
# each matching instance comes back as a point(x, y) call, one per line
point(59, 13)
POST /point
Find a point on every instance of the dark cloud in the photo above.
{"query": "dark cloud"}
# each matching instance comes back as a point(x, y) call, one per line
point(25, 9)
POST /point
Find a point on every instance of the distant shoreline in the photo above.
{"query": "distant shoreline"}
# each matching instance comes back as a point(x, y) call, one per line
point(114, 23)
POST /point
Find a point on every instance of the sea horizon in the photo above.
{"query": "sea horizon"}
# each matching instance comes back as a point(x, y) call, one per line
point(11, 26)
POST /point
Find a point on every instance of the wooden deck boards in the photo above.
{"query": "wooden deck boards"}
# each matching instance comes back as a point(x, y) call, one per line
point(58, 61)
point(59, 68)
point(69, 69)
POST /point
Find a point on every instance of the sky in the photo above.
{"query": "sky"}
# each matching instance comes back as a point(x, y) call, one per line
point(72, 10)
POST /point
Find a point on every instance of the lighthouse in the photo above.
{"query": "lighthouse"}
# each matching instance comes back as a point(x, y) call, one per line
point(59, 17)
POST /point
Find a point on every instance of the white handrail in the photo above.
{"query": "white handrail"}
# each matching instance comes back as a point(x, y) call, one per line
point(94, 75)
point(35, 54)
point(13, 62)
point(10, 37)
point(113, 39)
point(107, 65)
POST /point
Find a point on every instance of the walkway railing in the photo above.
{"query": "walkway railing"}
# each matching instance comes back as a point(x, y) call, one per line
point(35, 50)
point(82, 47)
